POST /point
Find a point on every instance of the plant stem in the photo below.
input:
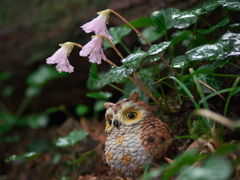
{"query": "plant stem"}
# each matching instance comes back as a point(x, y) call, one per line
point(23, 106)
point(45, 169)
point(140, 34)
point(137, 32)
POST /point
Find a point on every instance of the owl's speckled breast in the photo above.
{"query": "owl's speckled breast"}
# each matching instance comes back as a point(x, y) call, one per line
point(124, 153)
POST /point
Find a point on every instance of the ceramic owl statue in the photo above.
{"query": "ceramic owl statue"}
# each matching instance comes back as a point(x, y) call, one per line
point(135, 136)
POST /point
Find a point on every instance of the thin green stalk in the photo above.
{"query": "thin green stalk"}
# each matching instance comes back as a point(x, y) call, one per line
point(199, 88)
point(68, 113)
point(231, 93)
point(23, 106)
point(125, 47)
point(115, 87)
point(45, 169)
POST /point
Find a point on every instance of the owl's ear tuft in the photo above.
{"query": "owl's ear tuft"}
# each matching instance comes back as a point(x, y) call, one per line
point(108, 105)
point(134, 97)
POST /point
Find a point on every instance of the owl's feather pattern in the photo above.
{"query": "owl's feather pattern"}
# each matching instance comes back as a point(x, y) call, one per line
point(133, 139)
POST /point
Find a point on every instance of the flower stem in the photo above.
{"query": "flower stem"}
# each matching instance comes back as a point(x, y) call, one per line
point(78, 45)
point(137, 32)
point(140, 34)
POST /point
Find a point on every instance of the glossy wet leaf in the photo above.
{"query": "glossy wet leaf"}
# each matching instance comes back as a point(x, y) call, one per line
point(215, 168)
point(140, 22)
point(220, 24)
point(163, 18)
point(72, 138)
point(117, 33)
point(82, 109)
point(116, 75)
point(230, 4)
point(28, 156)
point(151, 34)
point(181, 36)
point(228, 45)
point(133, 59)
point(157, 48)
point(180, 62)
point(82, 158)
point(99, 95)
point(44, 74)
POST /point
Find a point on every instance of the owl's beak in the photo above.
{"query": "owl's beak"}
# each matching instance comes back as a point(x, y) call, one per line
point(115, 123)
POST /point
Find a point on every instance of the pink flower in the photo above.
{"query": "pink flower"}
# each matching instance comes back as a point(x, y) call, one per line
point(98, 25)
point(94, 48)
point(60, 57)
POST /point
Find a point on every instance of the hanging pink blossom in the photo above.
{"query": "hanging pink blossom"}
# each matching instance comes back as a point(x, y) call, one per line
point(60, 57)
point(98, 25)
point(94, 50)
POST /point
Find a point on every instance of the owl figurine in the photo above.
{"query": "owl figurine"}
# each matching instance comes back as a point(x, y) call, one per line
point(135, 136)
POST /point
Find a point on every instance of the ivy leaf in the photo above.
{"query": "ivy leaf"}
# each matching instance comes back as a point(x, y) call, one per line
point(94, 78)
point(82, 109)
point(222, 23)
point(228, 45)
point(133, 59)
point(72, 138)
point(116, 74)
point(163, 18)
point(117, 33)
point(28, 156)
point(157, 48)
point(230, 4)
point(44, 74)
point(140, 22)
point(82, 158)
point(100, 95)
point(151, 34)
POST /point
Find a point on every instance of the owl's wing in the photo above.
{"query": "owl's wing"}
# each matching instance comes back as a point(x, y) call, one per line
point(156, 137)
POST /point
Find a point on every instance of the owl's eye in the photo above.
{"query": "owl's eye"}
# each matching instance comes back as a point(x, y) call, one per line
point(131, 115)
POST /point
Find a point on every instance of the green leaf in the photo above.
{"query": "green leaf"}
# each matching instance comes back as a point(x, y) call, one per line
point(100, 95)
point(117, 33)
point(93, 82)
point(34, 121)
point(82, 158)
point(163, 18)
point(72, 138)
point(230, 4)
point(28, 156)
point(215, 168)
point(227, 46)
point(220, 24)
point(33, 91)
point(181, 36)
point(140, 22)
point(82, 109)
point(99, 106)
point(44, 74)
point(157, 48)
point(5, 75)
point(7, 91)
point(180, 62)
point(116, 74)
point(151, 34)
point(212, 81)
point(133, 59)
